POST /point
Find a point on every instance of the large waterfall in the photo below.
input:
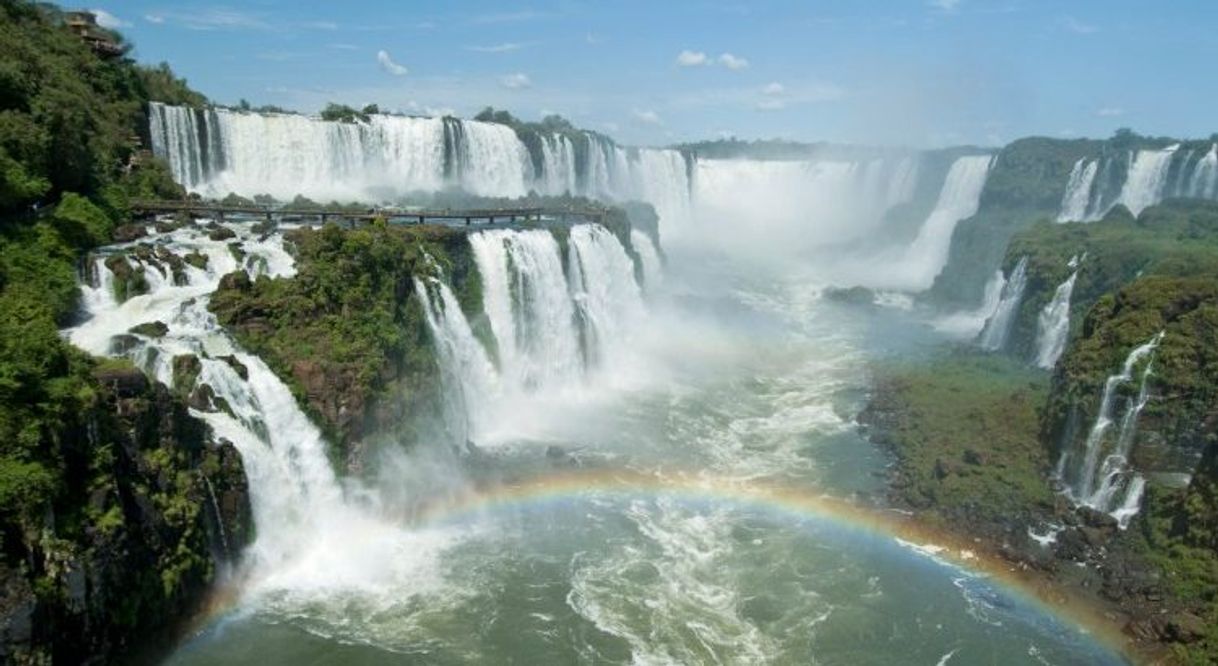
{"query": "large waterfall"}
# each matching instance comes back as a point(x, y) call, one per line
point(552, 326)
point(218, 151)
point(1099, 475)
point(1053, 325)
point(998, 327)
point(1138, 180)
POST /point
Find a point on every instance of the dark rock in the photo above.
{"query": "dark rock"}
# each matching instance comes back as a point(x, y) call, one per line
point(238, 280)
point(196, 259)
point(128, 232)
point(123, 343)
point(150, 329)
point(239, 367)
point(186, 369)
point(166, 227)
point(1097, 519)
point(1185, 628)
point(850, 295)
point(124, 382)
point(220, 233)
point(203, 398)
point(975, 457)
point(1071, 545)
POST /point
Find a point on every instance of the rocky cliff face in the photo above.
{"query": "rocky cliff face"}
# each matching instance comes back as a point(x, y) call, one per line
point(149, 510)
point(347, 333)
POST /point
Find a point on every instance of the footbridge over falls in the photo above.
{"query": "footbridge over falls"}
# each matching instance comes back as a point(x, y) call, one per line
point(445, 216)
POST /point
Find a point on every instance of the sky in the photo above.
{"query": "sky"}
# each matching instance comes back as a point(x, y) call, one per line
point(920, 73)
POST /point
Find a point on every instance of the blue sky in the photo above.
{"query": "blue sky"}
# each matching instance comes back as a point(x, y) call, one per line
point(914, 72)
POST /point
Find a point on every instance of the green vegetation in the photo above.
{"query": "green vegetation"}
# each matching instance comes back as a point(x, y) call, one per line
point(104, 534)
point(347, 332)
point(963, 429)
point(1176, 238)
point(344, 114)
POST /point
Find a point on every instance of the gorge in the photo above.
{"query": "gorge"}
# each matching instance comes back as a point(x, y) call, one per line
point(713, 402)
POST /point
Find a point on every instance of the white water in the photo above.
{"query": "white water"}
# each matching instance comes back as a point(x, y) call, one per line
point(1204, 183)
point(1098, 476)
point(918, 265)
point(759, 208)
point(649, 258)
point(998, 327)
point(1077, 199)
point(1053, 325)
point(967, 324)
point(390, 157)
point(1146, 180)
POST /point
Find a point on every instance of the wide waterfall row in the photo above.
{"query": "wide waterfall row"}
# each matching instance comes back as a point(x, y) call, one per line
point(552, 323)
point(1099, 474)
point(1137, 181)
point(218, 151)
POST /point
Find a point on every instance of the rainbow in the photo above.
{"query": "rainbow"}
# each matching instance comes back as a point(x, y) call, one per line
point(783, 501)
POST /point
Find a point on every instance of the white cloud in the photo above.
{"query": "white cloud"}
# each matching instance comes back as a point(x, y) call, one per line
point(774, 88)
point(109, 21)
point(733, 62)
point(344, 47)
point(212, 19)
point(1078, 27)
point(945, 5)
point(771, 104)
point(154, 18)
point(388, 64)
point(321, 25)
point(1110, 112)
point(498, 48)
point(692, 59)
point(647, 117)
point(516, 81)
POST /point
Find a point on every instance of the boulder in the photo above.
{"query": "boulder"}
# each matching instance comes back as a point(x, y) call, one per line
point(123, 381)
point(237, 366)
point(221, 233)
point(150, 329)
point(128, 232)
point(238, 280)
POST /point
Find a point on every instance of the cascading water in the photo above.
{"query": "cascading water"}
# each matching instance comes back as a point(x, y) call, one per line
point(1077, 200)
point(1098, 476)
point(1146, 180)
point(998, 327)
point(968, 324)
point(649, 258)
point(1053, 325)
point(392, 156)
point(1204, 182)
point(529, 307)
point(604, 290)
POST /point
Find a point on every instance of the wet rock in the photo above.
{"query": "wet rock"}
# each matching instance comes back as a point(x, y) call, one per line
point(1071, 545)
point(123, 381)
point(237, 366)
point(1097, 519)
point(203, 398)
point(123, 343)
point(150, 329)
point(129, 232)
point(220, 233)
point(238, 280)
point(196, 259)
point(186, 369)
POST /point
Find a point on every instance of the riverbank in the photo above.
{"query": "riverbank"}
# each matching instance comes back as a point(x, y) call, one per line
point(964, 430)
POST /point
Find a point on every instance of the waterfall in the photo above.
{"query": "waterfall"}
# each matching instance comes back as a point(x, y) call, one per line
point(296, 497)
point(998, 327)
point(1053, 325)
point(218, 151)
point(1204, 181)
point(469, 377)
point(969, 323)
point(1099, 475)
point(1146, 179)
point(604, 290)
point(649, 258)
point(1077, 199)
point(958, 200)
point(526, 300)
